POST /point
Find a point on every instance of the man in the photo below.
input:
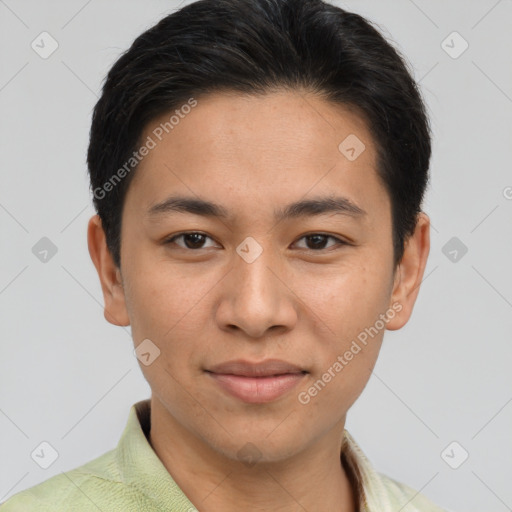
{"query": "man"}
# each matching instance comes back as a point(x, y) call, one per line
point(258, 169)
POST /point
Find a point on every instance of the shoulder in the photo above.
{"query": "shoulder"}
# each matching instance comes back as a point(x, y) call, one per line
point(381, 492)
point(88, 487)
point(406, 497)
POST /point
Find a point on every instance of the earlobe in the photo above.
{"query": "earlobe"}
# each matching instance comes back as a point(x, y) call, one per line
point(410, 272)
point(115, 310)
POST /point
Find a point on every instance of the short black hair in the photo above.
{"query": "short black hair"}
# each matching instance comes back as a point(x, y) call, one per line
point(255, 47)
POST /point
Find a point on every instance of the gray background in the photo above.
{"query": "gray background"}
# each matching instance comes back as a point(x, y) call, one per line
point(68, 377)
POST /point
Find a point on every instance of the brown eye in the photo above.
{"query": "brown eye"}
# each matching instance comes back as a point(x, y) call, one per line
point(191, 240)
point(318, 241)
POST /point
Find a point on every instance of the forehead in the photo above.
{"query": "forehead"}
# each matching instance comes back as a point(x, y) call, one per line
point(276, 122)
point(264, 147)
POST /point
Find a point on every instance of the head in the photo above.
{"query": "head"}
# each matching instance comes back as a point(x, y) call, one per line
point(258, 168)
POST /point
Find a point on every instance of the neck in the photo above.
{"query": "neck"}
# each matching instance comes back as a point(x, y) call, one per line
point(313, 479)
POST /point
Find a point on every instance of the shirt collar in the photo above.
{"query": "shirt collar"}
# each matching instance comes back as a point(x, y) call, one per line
point(371, 493)
point(142, 470)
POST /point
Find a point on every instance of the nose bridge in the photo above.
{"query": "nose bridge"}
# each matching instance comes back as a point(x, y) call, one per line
point(257, 299)
point(254, 281)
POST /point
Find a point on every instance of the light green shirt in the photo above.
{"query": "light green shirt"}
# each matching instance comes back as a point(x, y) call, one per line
point(131, 478)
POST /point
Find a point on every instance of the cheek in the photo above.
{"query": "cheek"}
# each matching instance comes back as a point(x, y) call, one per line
point(343, 301)
point(151, 301)
point(166, 312)
point(164, 307)
point(345, 308)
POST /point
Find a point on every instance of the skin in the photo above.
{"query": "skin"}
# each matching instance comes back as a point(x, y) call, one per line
point(299, 302)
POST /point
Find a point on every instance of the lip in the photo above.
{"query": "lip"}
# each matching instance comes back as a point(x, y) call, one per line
point(257, 382)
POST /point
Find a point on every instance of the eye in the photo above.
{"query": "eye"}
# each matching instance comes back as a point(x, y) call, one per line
point(191, 240)
point(195, 240)
point(317, 241)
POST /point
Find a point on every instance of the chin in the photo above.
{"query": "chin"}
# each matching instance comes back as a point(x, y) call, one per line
point(266, 442)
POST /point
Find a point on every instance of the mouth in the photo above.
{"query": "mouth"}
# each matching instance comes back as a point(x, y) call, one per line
point(259, 382)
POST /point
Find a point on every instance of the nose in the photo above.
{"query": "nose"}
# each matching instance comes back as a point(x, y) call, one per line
point(257, 298)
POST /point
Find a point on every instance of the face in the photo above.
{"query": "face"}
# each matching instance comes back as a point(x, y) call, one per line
point(268, 317)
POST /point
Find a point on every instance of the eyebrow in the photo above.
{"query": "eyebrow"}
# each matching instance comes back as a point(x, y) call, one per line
point(302, 208)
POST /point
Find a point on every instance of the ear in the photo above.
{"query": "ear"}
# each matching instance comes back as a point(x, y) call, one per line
point(409, 273)
point(110, 275)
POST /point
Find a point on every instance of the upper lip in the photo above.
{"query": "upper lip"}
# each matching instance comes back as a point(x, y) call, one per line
point(264, 368)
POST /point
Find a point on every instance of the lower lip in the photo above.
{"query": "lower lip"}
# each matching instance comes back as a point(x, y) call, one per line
point(257, 390)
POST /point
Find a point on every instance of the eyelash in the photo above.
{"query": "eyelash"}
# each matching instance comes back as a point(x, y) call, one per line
point(339, 241)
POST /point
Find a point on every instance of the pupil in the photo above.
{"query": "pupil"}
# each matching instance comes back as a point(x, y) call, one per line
point(196, 240)
point(318, 240)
